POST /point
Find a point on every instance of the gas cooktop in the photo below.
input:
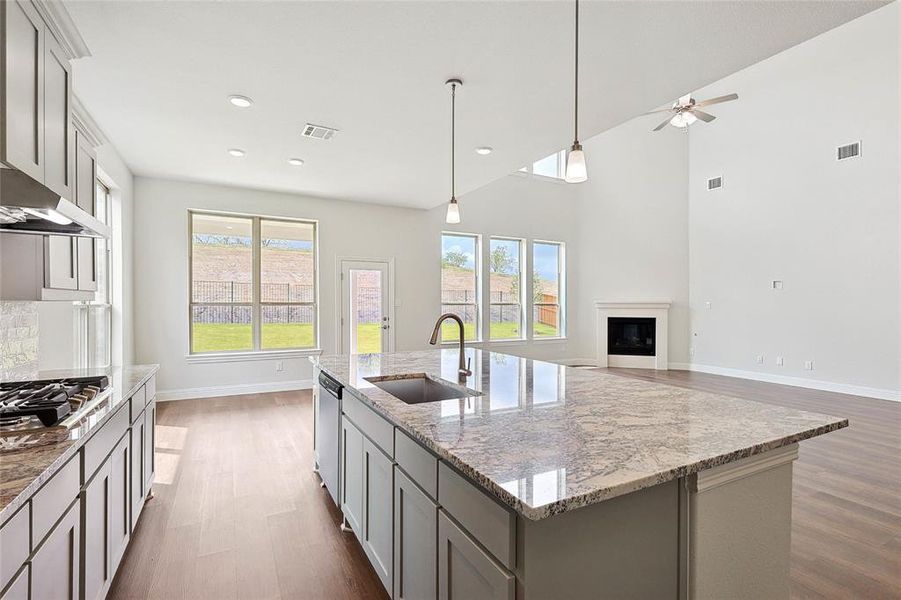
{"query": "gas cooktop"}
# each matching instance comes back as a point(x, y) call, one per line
point(49, 403)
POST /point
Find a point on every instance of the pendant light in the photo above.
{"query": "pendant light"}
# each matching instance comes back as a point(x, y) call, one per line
point(453, 209)
point(576, 171)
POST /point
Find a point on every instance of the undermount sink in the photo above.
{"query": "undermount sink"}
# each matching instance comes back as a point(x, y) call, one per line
point(418, 388)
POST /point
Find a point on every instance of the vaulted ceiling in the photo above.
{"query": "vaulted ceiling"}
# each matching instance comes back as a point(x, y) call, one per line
point(160, 72)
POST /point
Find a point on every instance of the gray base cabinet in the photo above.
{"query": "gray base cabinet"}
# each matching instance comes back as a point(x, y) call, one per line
point(415, 542)
point(378, 513)
point(465, 571)
point(137, 468)
point(119, 524)
point(95, 502)
point(352, 476)
point(149, 445)
point(57, 561)
point(18, 589)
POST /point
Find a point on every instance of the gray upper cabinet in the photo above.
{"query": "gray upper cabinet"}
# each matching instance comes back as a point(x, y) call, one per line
point(85, 174)
point(378, 513)
point(415, 542)
point(59, 134)
point(352, 476)
point(22, 144)
point(465, 570)
point(61, 262)
point(55, 565)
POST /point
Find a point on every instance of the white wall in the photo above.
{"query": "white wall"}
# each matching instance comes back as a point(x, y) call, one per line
point(345, 229)
point(789, 211)
point(633, 228)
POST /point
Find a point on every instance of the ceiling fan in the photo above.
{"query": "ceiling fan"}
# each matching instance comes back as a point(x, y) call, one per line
point(685, 111)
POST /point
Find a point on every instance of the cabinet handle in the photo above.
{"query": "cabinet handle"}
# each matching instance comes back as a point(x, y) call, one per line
point(72, 250)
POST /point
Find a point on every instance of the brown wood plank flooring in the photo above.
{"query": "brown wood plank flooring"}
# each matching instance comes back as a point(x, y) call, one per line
point(238, 512)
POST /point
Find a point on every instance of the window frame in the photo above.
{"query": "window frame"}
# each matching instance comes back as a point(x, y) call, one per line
point(523, 268)
point(529, 170)
point(477, 302)
point(561, 291)
point(256, 304)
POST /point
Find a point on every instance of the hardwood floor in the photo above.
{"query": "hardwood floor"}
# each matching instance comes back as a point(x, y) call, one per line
point(238, 512)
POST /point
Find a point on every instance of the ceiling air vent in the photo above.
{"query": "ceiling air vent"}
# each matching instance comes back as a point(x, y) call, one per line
point(849, 151)
point(715, 183)
point(318, 132)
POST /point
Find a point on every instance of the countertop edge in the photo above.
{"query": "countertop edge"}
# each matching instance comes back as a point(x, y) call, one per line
point(28, 491)
point(569, 504)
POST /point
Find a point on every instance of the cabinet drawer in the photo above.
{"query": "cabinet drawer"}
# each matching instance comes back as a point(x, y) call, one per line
point(52, 500)
point(14, 544)
point(102, 443)
point(492, 524)
point(138, 401)
point(150, 389)
point(373, 426)
point(420, 464)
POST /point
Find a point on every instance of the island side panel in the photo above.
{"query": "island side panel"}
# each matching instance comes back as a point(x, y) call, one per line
point(626, 547)
point(739, 528)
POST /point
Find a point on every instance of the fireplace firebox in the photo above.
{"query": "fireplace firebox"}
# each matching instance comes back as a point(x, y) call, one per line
point(631, 336)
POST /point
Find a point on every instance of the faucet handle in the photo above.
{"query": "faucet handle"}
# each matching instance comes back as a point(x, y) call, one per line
point(469, 364)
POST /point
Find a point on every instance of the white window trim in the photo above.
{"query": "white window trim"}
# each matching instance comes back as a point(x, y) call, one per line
point(258, 352)
point(479, 286)
point(523, 268)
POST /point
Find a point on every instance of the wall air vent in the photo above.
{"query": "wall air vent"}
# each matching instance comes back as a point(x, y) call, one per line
point(848, 151)
point(318, 132)
point(714, 183)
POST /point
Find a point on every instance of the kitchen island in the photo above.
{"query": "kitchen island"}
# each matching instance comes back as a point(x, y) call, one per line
point(544, 481)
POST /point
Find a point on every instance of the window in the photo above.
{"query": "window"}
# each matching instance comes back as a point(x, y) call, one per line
point(460, 284)
point(253, 283)
point(505, 289)
point(553, 166)
point(548, 285)
point(93, 320)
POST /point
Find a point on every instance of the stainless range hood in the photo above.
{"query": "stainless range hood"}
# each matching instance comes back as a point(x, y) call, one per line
point(26, 206)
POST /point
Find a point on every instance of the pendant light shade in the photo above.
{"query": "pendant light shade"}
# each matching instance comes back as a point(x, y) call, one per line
point(576, 169)
point(453, 208)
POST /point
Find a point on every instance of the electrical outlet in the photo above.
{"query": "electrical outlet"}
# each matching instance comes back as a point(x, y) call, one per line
point(777, 284)
point(279, 366)
point(691, 351)
point(808, 365)
point(780, 361)
point(760, 359)
point(708, 305)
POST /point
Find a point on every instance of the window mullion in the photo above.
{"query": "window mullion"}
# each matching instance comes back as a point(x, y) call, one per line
point(255, 293)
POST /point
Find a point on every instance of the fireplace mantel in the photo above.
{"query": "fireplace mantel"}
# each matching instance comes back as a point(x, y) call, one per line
point(658, 309)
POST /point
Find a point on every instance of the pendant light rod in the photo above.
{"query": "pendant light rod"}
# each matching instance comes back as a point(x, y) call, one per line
point(576, 104)
point(453, 209)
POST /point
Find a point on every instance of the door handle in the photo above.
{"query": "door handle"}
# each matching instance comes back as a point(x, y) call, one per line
point(385, 326)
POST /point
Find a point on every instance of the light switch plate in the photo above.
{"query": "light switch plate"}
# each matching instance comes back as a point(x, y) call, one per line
point(780, 361)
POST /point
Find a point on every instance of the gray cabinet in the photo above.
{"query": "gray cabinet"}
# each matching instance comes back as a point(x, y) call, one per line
point(149, 445)
point(18, 589)
point(85, 174)
point(59, 133)
point(22, 144)
point(95, 503)
point(136, 453)
point(465, 570)
point(352, 476)
point(378, 513)
point(119, 482)
point(60, 262)
point(415, 541)
point(56, 563)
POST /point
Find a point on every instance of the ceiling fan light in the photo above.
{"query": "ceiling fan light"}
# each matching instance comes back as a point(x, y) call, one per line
point(683, 119)
point(576, 169)
point(453, 212)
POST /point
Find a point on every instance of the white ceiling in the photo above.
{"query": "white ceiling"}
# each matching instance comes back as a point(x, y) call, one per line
point(160, 73)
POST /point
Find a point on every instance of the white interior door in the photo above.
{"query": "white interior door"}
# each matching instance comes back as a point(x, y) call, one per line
point(365, 306)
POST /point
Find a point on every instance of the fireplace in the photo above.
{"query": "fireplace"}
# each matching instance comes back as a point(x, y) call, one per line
point(631, 336)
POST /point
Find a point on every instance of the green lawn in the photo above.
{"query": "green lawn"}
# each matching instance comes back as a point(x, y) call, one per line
point(222, 337)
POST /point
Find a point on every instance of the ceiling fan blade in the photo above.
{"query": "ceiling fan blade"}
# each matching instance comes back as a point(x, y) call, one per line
point(662, 110)
point(706, 117)
point(662, 125)
point(717, 100)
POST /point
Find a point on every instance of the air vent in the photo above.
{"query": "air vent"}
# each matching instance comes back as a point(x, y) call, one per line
point(715, 183)
point(849, 151)
point(318, 132)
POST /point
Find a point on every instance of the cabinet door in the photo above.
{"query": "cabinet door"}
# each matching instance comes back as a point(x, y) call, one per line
point(137, 469)
point(466, 571)
point(87, 264)
point(22, 103)
point(60, 270)
point(149, 445)
point(352, 476)
point(85, 175)
point(415, 541)
point(378, 512)
point(59, 134)
point(55, 572)
point(18, 589)
point(119, 528)
point(95, 502)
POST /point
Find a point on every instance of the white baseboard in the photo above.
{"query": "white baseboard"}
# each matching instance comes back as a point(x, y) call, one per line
point(233, 390)
point(814, 384)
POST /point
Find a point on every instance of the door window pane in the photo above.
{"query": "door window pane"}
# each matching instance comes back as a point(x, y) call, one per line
point(505, 282)
point(366, 311)
point(459, 284)
point(546, 288)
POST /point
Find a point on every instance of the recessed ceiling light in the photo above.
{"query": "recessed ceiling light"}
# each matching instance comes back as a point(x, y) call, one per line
point(297, 162)
point(236, 152)
point(484, 150)
point(240, 101)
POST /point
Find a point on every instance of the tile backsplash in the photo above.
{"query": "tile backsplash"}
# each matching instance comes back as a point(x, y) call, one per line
point(18, 340)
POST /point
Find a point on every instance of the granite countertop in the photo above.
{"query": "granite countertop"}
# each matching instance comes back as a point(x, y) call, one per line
point(29, 458)
point(545, 439)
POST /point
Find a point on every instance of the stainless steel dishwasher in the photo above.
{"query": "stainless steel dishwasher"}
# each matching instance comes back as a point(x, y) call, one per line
point(328, 433)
